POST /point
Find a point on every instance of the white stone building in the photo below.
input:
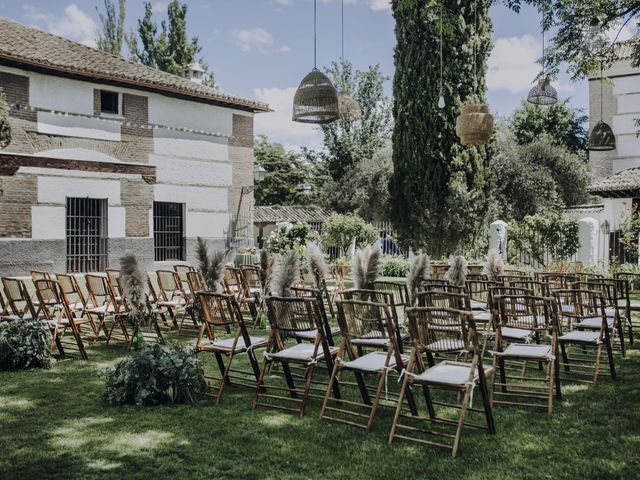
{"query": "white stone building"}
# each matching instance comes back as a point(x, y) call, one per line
point(616, 173)
point(108, 155)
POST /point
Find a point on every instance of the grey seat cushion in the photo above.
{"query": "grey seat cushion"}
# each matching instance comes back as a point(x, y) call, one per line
point(450, 373)
point(581, 336)
point(227, 344)
point(371, 362)
point(302, 352)
point(528, 350)
point(311, 334)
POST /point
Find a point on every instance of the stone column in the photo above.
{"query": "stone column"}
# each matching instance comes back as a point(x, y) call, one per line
point(498, 237)
point(588, 235)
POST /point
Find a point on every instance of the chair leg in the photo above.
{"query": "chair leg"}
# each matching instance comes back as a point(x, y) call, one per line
point(612, 367)
point(376, 401)
point(394, 425)
point(327, 394)
point(225, 379)
point(307, 386)
point(596, 370)
point(259, 386)
point(463, 413)
point(550, 377)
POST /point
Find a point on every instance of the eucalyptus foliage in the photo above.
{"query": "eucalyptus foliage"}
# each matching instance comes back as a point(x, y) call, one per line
point(438, 188)
point(156, 376)
point(24, 344)
point(540, 237)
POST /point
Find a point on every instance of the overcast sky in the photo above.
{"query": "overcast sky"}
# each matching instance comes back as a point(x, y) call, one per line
point(263, 48)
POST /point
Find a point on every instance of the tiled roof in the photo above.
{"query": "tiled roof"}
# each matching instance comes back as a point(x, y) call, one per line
point(32, 48)
point(290, 214)
point(595, 207)
point(622, 184)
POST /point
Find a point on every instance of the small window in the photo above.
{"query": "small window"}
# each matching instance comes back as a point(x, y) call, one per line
point(86, 234)
point(168, 231)
point(109, 102)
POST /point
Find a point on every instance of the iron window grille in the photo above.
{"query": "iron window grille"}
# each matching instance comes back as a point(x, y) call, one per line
point(86, 234)
point(168, 231)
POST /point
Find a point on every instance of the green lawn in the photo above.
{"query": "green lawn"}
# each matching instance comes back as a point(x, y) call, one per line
point(55, 424)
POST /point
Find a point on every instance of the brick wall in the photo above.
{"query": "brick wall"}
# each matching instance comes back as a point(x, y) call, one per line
point(242, 133)
point(135, 109)
point(16, 89)
point(137, 198)
point(17, 194)
point(242, 160)
point(97, 104)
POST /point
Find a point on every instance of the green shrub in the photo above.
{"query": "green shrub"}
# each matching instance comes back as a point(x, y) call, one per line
point(339, 231)
point(156, 376)
point(290, 236)
point(24, 344)
point(395, 267)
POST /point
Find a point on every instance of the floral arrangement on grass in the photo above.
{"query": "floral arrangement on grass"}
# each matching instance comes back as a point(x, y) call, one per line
point(24, 344)
point(155, 376)
point(134, 289)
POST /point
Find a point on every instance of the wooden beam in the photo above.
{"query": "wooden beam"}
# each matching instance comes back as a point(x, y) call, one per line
point(10, 163)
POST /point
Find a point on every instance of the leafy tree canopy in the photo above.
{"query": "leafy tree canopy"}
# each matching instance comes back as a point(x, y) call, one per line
point(111, 36)
point(285, 178)
point(562, 123)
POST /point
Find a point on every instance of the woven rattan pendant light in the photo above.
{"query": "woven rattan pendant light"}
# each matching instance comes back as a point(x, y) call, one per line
point(543, 93)
point(601, 138)
point(316, 100)
point(350, 110)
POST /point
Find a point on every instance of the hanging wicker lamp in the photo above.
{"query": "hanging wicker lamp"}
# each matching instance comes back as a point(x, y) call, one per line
point(601, 138)
point(474, 125)
point(543, 93)
point(316, 100)
point(349, 108)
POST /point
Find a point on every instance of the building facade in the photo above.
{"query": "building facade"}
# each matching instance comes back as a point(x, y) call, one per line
point(108, 156)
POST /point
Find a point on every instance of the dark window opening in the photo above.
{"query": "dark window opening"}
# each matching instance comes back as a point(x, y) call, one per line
point(108, 102)
point(86, 234)
point(168, 231)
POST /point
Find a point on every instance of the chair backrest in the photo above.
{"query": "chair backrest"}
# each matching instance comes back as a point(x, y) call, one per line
point(557, 280)
point(442, 299)
point(196, 282)
point(478, 276)
point(441, 285)
point(3, 305)
point(507, 278)
point(153, 295)
point(606, 287)
point(440, 329)
point(182, 271)
point(18, 299)
point(169, 284)
point(293, 314)
point(365, 320)
point(475, 270)
point(233, 281)
point(524, 312)
point(39, 275)
point(397, 289)
point(113, 277)
point(100, 291)
point(312, 293)
point(632, 278)
point(49, 298)
point(478, 290)
point(536, 287)
point(251, 277)
point(70, 290)
point(439, 270)
point(219, 310)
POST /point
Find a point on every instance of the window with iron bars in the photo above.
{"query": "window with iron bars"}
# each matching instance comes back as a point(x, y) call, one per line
point(168, 231)
point(86, 234)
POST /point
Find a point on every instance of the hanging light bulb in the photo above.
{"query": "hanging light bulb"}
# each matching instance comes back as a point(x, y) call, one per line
point(349, 108)
point(316, 100)
point(441, 103)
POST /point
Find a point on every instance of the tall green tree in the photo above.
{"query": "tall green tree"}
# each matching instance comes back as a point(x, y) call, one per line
point(111, 36)
point(285, 178)
point(167, 48)
point(346, 143)
point(439, 188)
point(562, 123)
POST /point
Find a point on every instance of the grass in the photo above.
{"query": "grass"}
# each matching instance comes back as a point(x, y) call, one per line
point(55, 424)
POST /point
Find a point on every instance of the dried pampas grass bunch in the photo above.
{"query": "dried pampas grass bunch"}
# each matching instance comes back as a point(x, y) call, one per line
point(317, 265)
point(133, 281)
point(267, 266)
point(419, 273)
point(211, 266)
point(286, 274)
point(494, 266)
point(458, 271)
point(367, 264)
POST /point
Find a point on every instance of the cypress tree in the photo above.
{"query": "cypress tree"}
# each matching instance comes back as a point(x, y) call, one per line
point(438, 189)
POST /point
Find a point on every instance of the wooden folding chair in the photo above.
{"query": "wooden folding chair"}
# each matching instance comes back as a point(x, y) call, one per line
point(172, 299)
point(253, 288)
point(71, 292)
point(589, 328)
point(101, 301)
point(57, 314)
point(330, 331)
point(221, 314)
point(287, 316)
point(362, 321)
point(113, 277)
point(19, 303)
point(40, 275)
point(400, 296)
point(234, 285)
point(182, 271)
point(523, 321)
point(631, 301)
point(434, 331)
